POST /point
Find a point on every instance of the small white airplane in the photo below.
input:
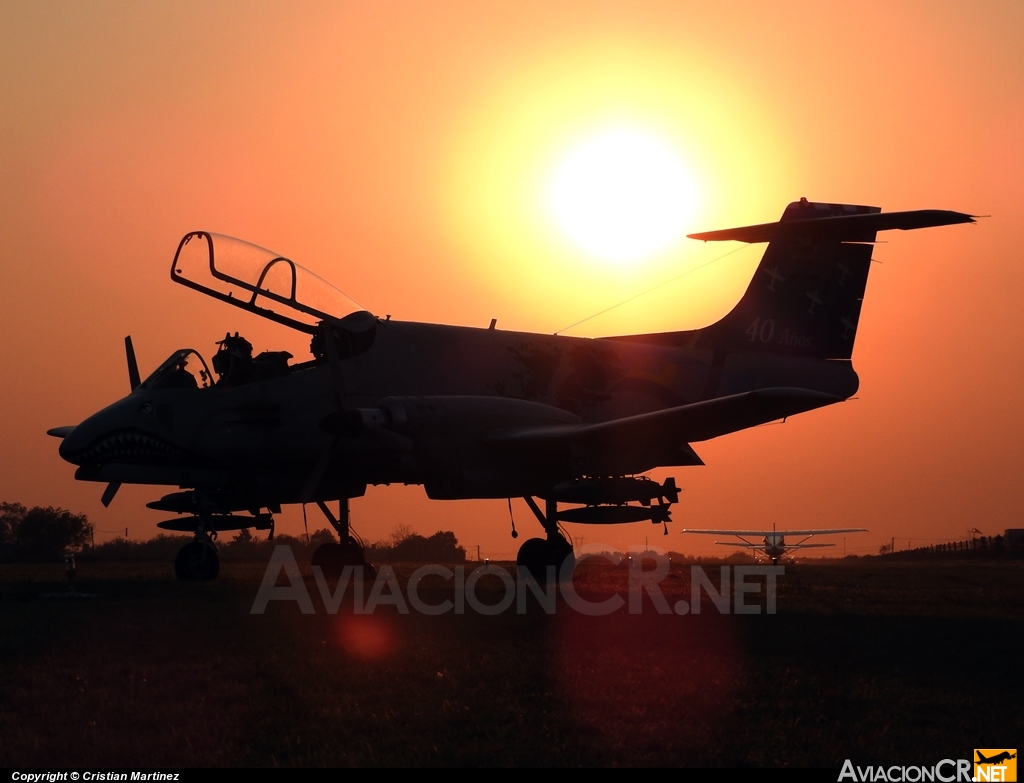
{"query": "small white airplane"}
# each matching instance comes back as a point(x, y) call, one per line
point(773, 542)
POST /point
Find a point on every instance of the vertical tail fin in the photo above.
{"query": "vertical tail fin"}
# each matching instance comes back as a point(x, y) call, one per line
point(805, 298)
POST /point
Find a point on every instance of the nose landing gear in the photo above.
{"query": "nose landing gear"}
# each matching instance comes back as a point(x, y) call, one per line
point(197, 561)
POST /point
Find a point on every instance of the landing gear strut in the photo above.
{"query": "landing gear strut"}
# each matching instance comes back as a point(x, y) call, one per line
point(539, 555)
point(197, 561)
point(332, 558)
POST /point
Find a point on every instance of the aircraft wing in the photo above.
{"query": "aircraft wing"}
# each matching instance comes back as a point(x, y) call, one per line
point(635, 444)
point(822, 532)
point(708, 419)
point(781, 532)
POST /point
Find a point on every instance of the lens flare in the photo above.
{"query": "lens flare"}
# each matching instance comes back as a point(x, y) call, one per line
point(367, 637)
point(621, 195)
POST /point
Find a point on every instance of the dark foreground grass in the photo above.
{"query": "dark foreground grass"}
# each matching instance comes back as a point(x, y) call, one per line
point(902, 663)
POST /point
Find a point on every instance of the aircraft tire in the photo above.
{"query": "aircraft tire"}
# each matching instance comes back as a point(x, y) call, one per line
point(197, 561)
point(332, 559)
point(329, 557)
point(537, 554)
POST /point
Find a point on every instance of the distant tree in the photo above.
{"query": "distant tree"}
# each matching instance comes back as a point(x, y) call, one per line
point(445, 547)
point(402, 533)
point(442, 547)
point(243, 537)
point(884, 549)
point(11, 515)
point(322, 536)
point(161, 547)
point(243, 546)
point(45, 533)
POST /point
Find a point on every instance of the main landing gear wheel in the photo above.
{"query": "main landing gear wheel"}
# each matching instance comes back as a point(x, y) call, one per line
point(537, 554)
point(197, 562)
point(332, 559)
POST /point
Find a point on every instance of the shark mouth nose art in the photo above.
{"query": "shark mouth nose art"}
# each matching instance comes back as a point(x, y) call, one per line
point(126, 446)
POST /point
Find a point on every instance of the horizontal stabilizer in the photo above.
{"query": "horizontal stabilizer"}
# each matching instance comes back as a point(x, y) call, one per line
point(843, 227)
point(740, 545)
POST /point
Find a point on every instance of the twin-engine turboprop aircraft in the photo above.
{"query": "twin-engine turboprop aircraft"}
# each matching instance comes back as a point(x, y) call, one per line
point(473, 413)
point(773, 543)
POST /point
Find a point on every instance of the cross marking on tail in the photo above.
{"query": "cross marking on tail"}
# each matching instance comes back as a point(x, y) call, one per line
point(773, 273)
point(815, 301)
point(847, 321)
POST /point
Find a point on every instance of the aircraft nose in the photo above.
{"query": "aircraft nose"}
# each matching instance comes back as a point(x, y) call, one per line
point(74, 444)
point(63, 433)
point(79, 442)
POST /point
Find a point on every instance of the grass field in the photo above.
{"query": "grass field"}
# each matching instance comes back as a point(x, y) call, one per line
point(879, 662)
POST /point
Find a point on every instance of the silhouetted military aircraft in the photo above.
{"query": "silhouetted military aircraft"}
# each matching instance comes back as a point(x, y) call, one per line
point(473, 412)
point(773, 542)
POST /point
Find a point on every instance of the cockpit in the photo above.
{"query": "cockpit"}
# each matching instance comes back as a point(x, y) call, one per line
point(271, 286)
point(183, 369)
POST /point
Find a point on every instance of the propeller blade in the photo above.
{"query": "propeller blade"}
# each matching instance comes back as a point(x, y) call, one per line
point(133, 366)
point(59, 432)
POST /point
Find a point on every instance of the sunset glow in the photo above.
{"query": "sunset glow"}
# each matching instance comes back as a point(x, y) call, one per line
point(583, 168)
point(621, 195)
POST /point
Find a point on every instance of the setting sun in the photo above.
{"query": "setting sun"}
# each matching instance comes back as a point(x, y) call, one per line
point(621, 195)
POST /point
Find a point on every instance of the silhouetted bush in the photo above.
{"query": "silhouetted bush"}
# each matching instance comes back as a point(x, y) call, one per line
point(46, 533)
point(243, 547)
point(442, 547)
point(11, 515)
point(161, 547)
point(246, 547)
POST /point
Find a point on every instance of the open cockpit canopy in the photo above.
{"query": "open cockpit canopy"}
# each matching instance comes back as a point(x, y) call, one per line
point(258, 280)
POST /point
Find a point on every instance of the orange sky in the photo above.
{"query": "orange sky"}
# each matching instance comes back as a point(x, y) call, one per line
point(395, 149)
